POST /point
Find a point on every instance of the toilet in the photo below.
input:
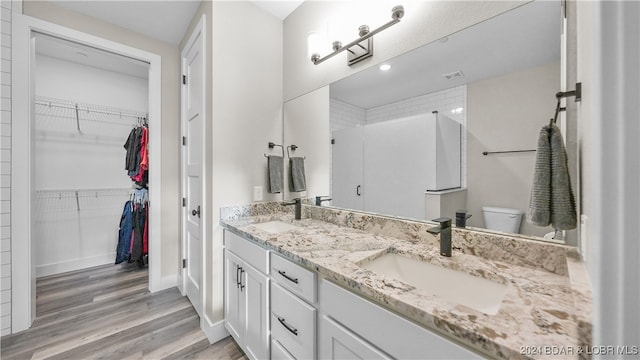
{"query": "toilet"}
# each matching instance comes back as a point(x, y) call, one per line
point(502, 219)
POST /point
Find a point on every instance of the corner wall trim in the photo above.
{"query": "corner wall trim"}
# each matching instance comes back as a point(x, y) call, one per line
point(214, 332)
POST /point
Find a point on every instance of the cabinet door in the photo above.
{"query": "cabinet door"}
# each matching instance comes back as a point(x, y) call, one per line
point(256, 305)
point(336, 342)
point(232, 299)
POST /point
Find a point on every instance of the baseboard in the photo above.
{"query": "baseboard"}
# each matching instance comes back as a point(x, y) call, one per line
point(76, 264)
point(214, 332)
point(180, 283)
point(167, 282)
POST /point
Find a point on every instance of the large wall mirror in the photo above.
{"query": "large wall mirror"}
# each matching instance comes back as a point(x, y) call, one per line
point(450, 125)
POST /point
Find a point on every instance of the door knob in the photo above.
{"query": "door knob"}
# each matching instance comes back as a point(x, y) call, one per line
point(196, 212)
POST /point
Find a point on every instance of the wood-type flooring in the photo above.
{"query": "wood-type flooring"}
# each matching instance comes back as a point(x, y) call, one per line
point(107, 312)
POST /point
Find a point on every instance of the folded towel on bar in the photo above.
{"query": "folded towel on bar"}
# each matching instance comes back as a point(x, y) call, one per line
point(298, 182)
point(275, 166)
point(552, 201)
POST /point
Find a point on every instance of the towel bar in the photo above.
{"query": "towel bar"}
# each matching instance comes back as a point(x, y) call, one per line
point(293, 147)
point(508, 151)
point(272, 145)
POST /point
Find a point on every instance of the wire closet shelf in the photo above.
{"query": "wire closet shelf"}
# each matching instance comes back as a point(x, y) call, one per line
point(55, 108)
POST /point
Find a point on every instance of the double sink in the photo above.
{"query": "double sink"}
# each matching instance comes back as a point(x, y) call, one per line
point(451, 285)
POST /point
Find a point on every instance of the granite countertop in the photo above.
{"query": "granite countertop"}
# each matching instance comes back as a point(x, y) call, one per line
point(544, 314)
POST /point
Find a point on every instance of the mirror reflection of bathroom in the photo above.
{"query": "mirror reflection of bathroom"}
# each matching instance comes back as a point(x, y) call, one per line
point(409, 138)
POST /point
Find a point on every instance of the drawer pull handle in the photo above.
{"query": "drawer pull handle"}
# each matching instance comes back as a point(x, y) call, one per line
point(287, 277)
point(238, 276)
point(294, 331)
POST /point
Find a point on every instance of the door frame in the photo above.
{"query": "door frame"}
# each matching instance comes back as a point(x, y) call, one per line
point(198, 33)
point(23, 289)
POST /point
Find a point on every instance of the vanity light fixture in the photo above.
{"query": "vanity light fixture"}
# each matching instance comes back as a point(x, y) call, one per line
point(385, 67)
point(362, 47)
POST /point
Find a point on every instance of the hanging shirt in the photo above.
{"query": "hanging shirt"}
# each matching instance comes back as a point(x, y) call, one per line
point(144, 153)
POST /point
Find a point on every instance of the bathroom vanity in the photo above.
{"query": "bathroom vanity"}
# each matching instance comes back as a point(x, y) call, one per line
point(340, 283)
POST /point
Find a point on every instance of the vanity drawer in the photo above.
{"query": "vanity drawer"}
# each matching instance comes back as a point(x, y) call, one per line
point(299, 280)
point(251, 253)
point(293, 323)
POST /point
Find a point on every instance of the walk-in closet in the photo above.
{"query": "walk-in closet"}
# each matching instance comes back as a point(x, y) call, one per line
point(91, 158)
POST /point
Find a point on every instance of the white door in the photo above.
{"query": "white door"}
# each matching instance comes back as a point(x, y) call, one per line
point(192, 155)
point(346, 168)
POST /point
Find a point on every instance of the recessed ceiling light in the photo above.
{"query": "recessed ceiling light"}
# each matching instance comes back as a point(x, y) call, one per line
point(385, 67)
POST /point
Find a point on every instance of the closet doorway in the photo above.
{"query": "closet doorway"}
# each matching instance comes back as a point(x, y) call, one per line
point(76, 100)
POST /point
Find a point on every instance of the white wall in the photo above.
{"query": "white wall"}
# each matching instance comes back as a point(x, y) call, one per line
point(306, 124)
point(608, 57)
point(506, 113)
point(5, 163)
point(72, 234)
point(424, 22)
point(247, 114)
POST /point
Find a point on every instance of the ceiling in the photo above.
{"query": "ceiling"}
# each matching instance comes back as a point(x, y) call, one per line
point(159, 19)
point(522, 38)
point(164, 20)
point(89, 56)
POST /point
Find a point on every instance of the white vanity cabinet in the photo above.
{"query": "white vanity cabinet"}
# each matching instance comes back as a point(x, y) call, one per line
point(246, 285)
point(337, 342)
point(366, 330)
point(293, 311)
point(277, 309)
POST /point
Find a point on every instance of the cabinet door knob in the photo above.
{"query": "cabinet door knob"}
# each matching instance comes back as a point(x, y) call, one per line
point(195, 212)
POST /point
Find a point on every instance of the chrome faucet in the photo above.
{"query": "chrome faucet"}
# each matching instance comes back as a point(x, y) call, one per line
point(320, 200)
point(445, 235)
point(298, 204)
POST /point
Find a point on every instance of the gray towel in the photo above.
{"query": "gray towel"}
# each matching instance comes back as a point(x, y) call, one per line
point(298, 182)
point(552, 200)
point(276, 169)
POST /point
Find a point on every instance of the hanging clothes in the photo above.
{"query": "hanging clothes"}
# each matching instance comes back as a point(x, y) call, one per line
point(133, 243)
point(137, 156)
point(134, 224)
point(124, 234)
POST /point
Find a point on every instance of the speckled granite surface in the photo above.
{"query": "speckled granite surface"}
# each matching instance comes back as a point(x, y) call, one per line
point(545, 313)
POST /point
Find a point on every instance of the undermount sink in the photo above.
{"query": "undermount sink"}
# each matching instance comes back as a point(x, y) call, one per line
point(275, 227)
point(455, 286)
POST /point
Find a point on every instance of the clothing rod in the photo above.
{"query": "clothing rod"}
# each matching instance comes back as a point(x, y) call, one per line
point(505, 152)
